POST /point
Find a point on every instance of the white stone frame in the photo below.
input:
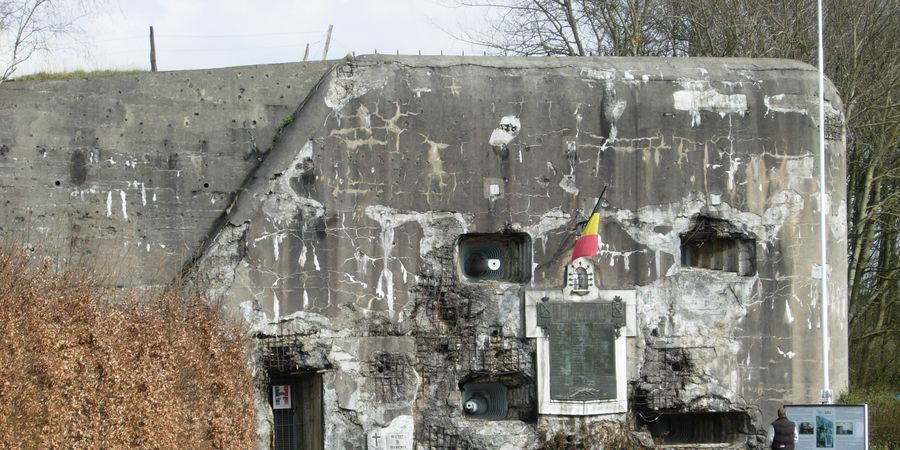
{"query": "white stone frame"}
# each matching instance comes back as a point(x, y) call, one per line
point(574, 408)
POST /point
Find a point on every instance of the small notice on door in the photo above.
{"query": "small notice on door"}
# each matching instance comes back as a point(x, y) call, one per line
point(281, 396)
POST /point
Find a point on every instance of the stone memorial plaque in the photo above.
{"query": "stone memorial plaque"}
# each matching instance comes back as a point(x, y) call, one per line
point(396, 436)
point(582, 350)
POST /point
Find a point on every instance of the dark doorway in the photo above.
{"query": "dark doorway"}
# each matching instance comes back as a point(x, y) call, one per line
point(296, 402)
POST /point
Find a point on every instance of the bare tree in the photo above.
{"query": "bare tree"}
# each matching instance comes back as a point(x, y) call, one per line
point(570, 27)
point(31, 26)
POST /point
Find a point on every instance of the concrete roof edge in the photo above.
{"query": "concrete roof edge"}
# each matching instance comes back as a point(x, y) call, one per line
point(623, 62)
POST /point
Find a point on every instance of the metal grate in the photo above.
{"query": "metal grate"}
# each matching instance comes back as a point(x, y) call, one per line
point(284, 429)
point(280, 353)
point(434, 437)
point(390, 372)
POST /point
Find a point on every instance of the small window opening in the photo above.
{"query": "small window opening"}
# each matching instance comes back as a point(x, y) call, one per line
point(495, 256)
point(717, 244)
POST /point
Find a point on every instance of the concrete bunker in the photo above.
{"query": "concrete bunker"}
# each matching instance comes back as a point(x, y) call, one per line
point(349, 244)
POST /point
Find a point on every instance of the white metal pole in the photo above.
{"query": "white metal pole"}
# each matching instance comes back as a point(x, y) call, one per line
point(822, 209)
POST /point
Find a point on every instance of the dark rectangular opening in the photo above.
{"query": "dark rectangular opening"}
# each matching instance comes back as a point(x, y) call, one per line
point(716, 244)
point(296, 402)
point(495, 256)
point(698, 427)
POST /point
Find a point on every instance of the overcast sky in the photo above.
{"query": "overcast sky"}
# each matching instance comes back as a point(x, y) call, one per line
point(193, 34)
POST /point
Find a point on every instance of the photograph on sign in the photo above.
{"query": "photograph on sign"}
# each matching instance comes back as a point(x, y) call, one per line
point(824, 432)
point(843, 428)
point(281, 396)
point(805, 428)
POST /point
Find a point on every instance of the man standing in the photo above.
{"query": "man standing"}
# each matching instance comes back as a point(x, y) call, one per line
point(783, 432)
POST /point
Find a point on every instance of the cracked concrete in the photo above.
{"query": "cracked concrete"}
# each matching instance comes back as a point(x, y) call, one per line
point(339, 243)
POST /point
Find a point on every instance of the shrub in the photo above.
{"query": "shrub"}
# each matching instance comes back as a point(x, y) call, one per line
point(83, 366)
point(884, 409)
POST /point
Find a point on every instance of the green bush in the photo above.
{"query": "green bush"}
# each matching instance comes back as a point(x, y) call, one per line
point(884, 411)
point(82, 367)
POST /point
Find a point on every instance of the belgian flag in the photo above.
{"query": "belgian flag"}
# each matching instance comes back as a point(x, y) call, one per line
point(586, 245)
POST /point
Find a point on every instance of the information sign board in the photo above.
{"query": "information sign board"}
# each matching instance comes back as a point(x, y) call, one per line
point(844, 427)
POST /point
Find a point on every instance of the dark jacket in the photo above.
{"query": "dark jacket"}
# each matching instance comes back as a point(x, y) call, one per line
point(784, 434)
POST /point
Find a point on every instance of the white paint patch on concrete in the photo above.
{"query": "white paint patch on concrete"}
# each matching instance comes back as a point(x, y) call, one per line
point(506, 132)
point(788, 354)
point(568, 184)
point(438, 228)
point(302, 259)
point(109, 204)
point(124, 205)
point(276, 305)
point(551, 220)
point(641, 224)
point(695, 101)
point(276, 245)
point(306, 151)
point(787, 310)
point(788, 103)
point(342, 89)
point(598, 74)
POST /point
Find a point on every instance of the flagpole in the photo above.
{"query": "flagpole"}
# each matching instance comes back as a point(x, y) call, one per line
point(826, 391)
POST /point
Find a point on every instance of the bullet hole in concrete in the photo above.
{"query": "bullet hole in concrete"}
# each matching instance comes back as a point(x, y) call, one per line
point(205, 185)
point(495, 256)
point(717, 244)
point(57, 183)
point(698, 427)
point(78, 167)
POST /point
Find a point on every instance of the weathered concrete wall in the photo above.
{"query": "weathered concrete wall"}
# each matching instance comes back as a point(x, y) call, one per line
point(131, 173)
point(352, 221)
point(344, 237)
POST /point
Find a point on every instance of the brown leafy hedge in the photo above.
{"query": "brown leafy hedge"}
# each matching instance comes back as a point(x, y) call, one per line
point(81, 367)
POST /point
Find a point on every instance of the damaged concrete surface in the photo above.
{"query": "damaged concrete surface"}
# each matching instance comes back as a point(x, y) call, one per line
point(343, 240)
point(135, 171)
